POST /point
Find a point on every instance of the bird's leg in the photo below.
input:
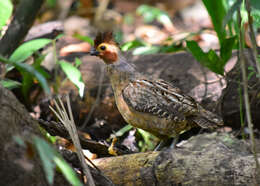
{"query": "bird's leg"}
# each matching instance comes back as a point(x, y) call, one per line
point(175, 141)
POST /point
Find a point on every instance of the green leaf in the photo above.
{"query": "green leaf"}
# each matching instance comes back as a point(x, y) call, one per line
point(123, 130)
point(231, 12)
point(51, 3)
point(251, 72)
point(67, 171)
point(148, 140)
point(46, 154)
point(59, 36)
point(171, 48)
point(10, 84)
point(149, 17)
point(256, 17)
point(6, 8)
point(244, 15)
point(49, 156)
point(151, 13)
point(142, 9)
point(208, 59)
point(132, 44)
point(19, 141)
point(28, 78)
point(27, 49)
point(164, 18)
point(84, 38)
point(217, 12)
point(74, 75)
point(226, 48)
point(255, 4)
point(146, 50)
point(25, 67)
point(78, 62)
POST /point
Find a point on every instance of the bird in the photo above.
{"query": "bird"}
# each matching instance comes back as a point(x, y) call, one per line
point(153, 105)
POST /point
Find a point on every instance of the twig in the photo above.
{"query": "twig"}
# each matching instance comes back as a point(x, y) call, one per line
point(101, 78)
point(68, 122)
point(252, 35)
point(245, 88)
point(101, 9)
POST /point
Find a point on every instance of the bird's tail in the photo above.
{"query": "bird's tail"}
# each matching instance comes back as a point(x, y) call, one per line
point(207, 119)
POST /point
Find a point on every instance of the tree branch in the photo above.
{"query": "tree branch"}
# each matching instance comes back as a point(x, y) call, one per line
point(23, 19)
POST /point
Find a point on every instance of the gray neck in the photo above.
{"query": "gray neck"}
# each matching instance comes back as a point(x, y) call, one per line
point(121, 71)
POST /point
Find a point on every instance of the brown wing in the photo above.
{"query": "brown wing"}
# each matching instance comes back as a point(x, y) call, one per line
point(159, 98)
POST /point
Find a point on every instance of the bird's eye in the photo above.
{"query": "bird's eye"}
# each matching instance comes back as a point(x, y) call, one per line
point(103, 48)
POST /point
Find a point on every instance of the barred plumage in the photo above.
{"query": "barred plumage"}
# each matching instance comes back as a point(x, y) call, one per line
point(150, 97)
point(153, 105)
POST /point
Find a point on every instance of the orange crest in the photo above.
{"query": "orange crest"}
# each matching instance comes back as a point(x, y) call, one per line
point(106, 37)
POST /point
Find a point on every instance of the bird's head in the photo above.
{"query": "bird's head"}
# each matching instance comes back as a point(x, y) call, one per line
point(106, 48)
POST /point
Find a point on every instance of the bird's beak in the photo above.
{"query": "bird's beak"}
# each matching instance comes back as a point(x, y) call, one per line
point(94, 52)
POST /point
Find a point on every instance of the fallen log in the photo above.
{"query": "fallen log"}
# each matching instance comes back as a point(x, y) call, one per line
point(208, 159)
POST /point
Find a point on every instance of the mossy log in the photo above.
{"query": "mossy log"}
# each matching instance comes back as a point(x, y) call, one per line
point(207, 159)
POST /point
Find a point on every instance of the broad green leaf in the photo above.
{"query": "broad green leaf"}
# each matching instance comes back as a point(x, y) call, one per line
point(144, 50)
point(208, 59)
point(196, 51)
point(217, 12)
point(74, 75)
point(49, 158)
point(47, 155)
point(84, 38)
point(67, 171)
point(39, 77)
point(132, 44)
point(31, 70)
point(27, 49)
point(226, 48)
point(28, 78)
point(6, 8)
point(10, 84)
